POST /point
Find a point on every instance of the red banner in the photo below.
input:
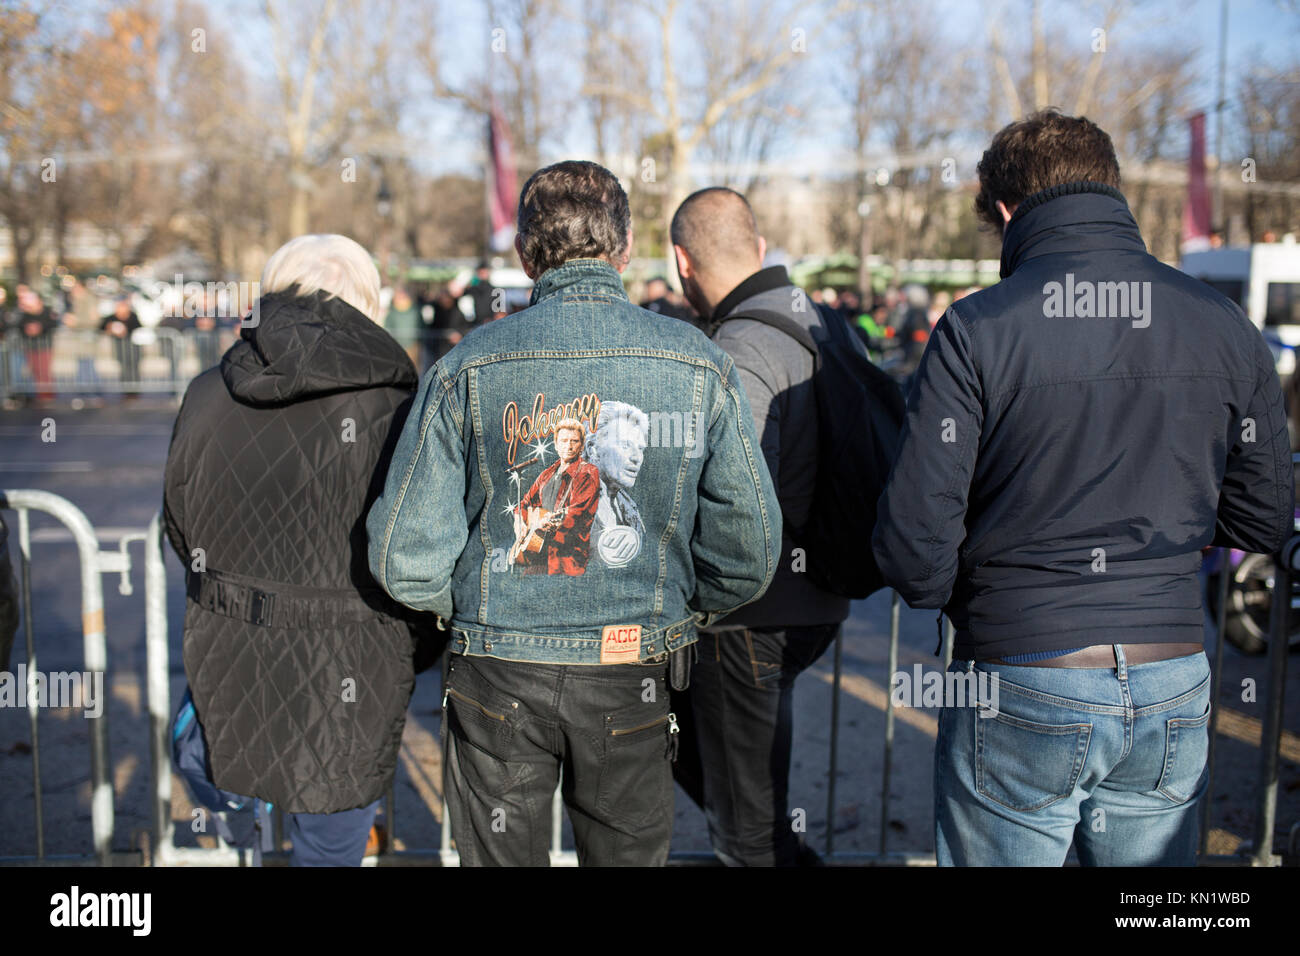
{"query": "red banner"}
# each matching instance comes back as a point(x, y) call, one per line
point(503, 186)
point(1196, 210)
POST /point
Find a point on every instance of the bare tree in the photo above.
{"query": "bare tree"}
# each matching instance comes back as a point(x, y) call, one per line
point(904, 113)
point(526, 73)
point(687, 106)
point(1268, 140)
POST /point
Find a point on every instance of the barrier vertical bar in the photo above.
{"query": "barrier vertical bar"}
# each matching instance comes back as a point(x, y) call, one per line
point(835, 741)
point(444, 832)
point(158, 684)
point(390, 813)
point(1278, 646)
point(33, 704)
point(557, 820)
point(96, 656)
point(1216, 681)
point(94, 647)
point(444, 835)
point(887, 769)
point(6, 351)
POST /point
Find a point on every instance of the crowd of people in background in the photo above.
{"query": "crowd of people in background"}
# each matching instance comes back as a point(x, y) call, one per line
point(428, 319)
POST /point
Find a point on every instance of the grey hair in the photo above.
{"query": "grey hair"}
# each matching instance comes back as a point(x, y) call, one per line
point(330, 263)
point(609, 417)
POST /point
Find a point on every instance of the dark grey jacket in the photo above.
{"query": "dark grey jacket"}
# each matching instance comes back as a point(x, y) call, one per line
point(776, 372)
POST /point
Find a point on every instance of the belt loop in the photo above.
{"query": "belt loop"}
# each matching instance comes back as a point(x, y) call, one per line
point(260, 606)
point(1121, 666)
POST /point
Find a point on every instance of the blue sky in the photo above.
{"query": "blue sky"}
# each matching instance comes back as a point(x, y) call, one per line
point(1260, 32)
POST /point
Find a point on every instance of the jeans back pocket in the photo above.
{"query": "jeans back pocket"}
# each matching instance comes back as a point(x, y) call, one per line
point(1024, 765)
point(484, 727)
point(1187, 747)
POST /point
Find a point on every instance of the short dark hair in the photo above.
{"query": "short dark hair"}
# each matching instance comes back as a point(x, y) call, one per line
point(716, 227)
point(572, 210)
point(1042, 150)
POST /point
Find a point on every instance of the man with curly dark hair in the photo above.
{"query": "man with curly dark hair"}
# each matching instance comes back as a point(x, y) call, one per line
point(1075, 436)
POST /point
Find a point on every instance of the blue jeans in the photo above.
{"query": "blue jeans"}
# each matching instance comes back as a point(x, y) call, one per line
point(330, 839)
point(1111, 758)
point(737, 726)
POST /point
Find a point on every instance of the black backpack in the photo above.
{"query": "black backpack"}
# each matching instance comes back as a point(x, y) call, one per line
point(860, 413)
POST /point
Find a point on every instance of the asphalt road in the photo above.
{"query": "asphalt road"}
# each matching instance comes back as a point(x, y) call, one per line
point(109, 461)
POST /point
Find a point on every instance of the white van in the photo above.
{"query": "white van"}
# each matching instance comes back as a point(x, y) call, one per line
point(1264, 279)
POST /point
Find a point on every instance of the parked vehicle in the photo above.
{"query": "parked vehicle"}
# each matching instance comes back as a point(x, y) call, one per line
point(1250, 598)
point(1264, 279)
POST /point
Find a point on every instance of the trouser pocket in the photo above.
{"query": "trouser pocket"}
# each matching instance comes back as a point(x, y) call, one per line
point(483, 721)
point(1025, 765)
point(1187, 747)
point(635, 767)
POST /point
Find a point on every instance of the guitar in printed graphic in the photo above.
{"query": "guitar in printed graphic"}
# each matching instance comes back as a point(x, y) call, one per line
point(530, 533)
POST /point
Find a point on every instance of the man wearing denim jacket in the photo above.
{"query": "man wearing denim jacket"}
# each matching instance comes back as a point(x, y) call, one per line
point(567, 670)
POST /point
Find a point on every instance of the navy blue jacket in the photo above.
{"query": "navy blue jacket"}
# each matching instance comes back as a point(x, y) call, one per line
point(1075, 435)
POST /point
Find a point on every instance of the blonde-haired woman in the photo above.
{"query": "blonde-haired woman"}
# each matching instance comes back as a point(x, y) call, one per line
point(300, 668)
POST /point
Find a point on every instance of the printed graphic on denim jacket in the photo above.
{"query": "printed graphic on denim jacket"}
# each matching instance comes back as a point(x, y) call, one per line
point(583, 496)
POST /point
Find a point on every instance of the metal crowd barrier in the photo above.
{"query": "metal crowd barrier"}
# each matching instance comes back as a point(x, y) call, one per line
point(165, 853)
point(154, 361)
point(95, 660)
point(80, 362)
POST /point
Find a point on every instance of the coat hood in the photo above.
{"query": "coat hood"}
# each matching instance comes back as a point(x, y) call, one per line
point(307, 346)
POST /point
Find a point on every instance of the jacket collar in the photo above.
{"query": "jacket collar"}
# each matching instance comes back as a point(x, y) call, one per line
point(1072, 217)
point(764, 280)
point(579, 275)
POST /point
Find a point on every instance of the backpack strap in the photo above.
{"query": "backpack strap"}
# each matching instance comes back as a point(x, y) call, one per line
point(777, 321)
point(790, 327)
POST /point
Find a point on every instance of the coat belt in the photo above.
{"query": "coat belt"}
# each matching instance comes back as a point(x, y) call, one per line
point(276, 604)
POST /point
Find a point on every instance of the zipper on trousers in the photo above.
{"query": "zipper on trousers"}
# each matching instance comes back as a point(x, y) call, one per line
point(451, 691)
point(674, 730)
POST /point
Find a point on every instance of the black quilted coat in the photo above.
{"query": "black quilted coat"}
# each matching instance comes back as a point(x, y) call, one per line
point(301, 669)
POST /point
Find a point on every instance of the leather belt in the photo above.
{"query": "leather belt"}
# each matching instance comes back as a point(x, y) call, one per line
point(1103, 655)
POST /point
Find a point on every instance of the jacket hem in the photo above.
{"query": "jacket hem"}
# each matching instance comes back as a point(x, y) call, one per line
point(581, 647)
point(966, 648)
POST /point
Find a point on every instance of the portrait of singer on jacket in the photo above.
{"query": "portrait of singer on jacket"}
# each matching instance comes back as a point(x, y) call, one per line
point(553, 521)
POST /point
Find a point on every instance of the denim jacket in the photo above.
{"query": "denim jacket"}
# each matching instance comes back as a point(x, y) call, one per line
point(666, 518)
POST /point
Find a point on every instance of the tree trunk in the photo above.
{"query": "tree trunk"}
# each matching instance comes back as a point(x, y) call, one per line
point(21, 249)
point(299, 212)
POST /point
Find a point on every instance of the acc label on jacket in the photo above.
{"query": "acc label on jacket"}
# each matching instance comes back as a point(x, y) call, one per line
point(620, 644)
